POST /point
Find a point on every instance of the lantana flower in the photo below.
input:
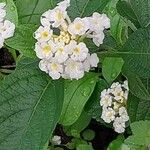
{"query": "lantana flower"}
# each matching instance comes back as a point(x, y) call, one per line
point(7, 28)
point(113, 102)
point(60, 42)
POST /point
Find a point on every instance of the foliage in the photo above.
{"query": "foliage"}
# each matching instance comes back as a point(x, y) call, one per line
point(32, 104)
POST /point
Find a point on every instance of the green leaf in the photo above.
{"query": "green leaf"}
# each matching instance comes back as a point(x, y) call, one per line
point(136, 85)
point(76, 96)
point(30, 11)
point(138, 109)
point(111, 68)
point(141, 134)
point(85, 8)
point(118, 26)
point(116, 144)
point(142, 10)
point(12, 14)
point(93, 105)
point(84, 147)
point(138, 11)
point(122, 6)
point(30, 106)
point(88, 135)
point(23, 40)
point(75, 142)
point(136, 52)
point(75, 129)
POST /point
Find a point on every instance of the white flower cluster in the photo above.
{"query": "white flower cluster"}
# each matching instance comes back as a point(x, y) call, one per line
point(7, 28)
point(56, 140)
point(60, 43)
point(113, 102)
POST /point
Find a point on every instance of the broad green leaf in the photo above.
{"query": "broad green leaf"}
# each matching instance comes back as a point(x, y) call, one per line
point(118, 26)
point(111, 68)
point(84, 147)
point(12, 14)
point(93, 105)
point(85, 8)
point(23, 40)
point(26, 62)
point(136, 52)
point(141, 134)
point(138, 109)
point(142, 10)
point(116, 144)
point(30, 106)
point(11, 11)
point(75, 129)
point(77, 93)
point(136, 85)
point(138, 11)
point(30, 11)
point(122, 7)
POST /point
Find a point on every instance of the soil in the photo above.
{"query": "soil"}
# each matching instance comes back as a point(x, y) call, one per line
point(5, 58)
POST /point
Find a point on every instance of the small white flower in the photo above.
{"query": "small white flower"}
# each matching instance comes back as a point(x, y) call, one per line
point(119, 125)
point(55, 69)
point(2, 11)
point(1, 42)
point(7, 29)
point(2, 5)
point(79, 26)
point(56, 140)
point(45, 50)
point(98, 38)
point(125, 85)
point(61, 54)
point(57, 16)
point(94, 60)
point(108, 115)
point(43, 65)
point(79, 51)
point(99, 22)
point(73, 69)
point(86, 64)
point(64, 4)
point(114, 85)
point(91, 61)
point(45, 19)
point(106, 101)
point(123, 114)
point(43, 34)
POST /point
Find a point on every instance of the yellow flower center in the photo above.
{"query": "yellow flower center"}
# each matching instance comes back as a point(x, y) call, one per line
point(60, 49)
point(59, 15)
point(47, 49)
point(109, 114)
point(45, 34)
point(54, 66)
point(64, 37)
point(76, 50)
point(78, 26)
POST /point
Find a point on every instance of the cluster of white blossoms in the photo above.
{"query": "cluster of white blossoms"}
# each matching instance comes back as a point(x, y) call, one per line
point(56, 140)
point(7, 28)
point(60, 42)
point(113, 102)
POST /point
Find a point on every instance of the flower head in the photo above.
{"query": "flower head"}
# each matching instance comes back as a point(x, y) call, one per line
point(114, 100)
point(60, 43)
